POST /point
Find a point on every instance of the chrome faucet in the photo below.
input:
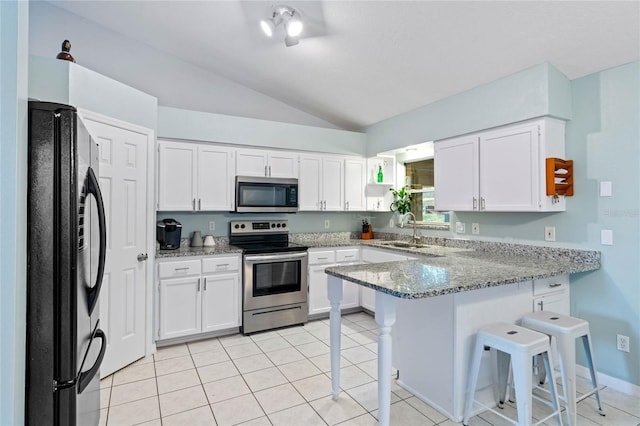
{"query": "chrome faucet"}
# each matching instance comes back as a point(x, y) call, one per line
point(415, 238)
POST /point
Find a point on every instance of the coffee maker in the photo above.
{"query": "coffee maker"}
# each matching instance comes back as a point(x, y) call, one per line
point(168, 233)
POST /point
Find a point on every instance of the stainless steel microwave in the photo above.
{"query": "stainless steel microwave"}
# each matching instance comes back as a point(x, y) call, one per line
point(266, 194)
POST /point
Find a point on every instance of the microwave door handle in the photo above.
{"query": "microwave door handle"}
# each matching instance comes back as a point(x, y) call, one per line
point(275, 257)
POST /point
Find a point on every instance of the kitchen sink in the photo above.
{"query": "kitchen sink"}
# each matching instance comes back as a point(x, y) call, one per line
point(403, 244)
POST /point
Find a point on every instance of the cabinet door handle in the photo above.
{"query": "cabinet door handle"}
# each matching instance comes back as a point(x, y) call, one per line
point(482, 206)
point(347, 256)
point(346, 205)
point(265, 171)
point(222, 265)
point(199, 203)
point(269, 170)
point(322, 258)
point(194, 203)
point(555, 285)
point(198, 284)
point(181, 269)
point(205, 284)
point(475, 203)
point(541, 304)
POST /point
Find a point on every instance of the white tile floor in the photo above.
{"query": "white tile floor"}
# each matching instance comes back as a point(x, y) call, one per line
point(281, 377)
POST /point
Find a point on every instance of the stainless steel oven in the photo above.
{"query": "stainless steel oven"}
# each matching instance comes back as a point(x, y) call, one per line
point(274, 275)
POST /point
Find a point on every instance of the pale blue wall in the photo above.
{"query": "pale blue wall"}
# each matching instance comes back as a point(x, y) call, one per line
point(203, 126)
point(298, 222)
point(13, 172)
point(537, 91)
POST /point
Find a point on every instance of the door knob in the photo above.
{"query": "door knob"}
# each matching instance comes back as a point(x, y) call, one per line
point(142, 257)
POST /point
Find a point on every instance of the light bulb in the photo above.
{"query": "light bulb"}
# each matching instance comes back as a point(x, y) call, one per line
point(294, 27)
point(267, 27)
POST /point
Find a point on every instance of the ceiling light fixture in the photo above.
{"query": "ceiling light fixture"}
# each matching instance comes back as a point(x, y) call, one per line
point(289, 18)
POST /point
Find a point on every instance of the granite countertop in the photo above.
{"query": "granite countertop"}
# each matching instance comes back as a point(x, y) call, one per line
point(443, 270)
point(185, 251)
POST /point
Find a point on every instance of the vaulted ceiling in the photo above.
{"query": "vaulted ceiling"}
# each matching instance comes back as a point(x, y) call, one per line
point(359, 62)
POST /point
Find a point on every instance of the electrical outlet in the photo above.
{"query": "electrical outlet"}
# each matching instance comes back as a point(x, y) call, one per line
point(327, 224)
point(460, 227)
point(475, 228)
point(622, 343)
point(550, 233)
point(212, 226)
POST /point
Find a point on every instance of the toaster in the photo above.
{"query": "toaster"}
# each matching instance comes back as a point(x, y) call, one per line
point(168, 234)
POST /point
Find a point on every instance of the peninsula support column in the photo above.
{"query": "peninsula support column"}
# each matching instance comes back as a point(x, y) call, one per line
point(334, 291)
point(385, 318)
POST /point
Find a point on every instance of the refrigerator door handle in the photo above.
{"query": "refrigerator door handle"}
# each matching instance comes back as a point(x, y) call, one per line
point(84, 378)
point(93, 188)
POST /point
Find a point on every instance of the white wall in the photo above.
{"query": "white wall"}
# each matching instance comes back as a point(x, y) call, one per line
point(13, 193)
point(174, 82)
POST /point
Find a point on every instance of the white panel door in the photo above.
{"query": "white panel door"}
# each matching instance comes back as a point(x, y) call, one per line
point(456, 174)
point(509, 169)
point(177, 164)
point(355, 175)
point(123, 180)
point(332, 184)
point(220, 302)
point(216, 174)
point(309, 183)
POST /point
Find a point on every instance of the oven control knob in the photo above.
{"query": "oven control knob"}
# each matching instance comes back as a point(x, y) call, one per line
point(284, 224)
point(242, 226)
point(237, 226)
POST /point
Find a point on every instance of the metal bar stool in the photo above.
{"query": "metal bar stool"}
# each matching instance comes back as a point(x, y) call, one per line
point(563, 331)
point(519, 345)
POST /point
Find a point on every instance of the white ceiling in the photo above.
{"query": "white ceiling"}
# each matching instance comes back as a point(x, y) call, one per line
point(360, 62)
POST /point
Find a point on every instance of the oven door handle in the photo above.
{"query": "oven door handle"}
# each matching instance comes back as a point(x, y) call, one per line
point(288, 256)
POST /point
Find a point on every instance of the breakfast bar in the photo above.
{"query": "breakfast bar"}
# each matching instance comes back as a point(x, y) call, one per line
point(429, 308)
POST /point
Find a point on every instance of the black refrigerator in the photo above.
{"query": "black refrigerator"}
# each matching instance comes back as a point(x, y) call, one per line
point(66, 249)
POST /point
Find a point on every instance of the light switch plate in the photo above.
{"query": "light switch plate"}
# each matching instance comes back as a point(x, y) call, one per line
point(475, 228)
point(549, 233)
point(460, 227)
point(212, 226)
point(606, 189)
point(606, 237)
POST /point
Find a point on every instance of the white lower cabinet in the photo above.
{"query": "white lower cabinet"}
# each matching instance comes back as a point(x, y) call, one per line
point(319, 260)
point(198, 296)
point(552, 294)
point(180, 307)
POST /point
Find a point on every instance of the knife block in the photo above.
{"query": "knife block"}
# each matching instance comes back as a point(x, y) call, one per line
point(368, 235)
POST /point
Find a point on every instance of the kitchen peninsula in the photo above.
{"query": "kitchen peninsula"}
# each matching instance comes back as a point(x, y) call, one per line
point(435, 305)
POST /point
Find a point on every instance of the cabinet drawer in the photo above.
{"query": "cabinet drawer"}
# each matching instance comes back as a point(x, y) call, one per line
point(347, 255)
point(220, 264)
point(178, 269)
point(550, 285)
point(324, 256)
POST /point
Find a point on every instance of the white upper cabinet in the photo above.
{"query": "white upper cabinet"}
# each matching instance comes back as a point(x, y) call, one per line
point(194, 177)
point(321, 183)
point(257, 162)
point(215, 178)
point(456, 174)
point(177, 162)
point(499, 170)
point(355, 175)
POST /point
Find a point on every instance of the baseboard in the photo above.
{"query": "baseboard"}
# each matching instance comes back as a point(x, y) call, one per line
point(611, 382)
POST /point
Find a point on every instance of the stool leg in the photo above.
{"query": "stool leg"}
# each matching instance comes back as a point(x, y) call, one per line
point(522, 379)
point(503, 376)
point(552, 385)
point(586, 343)
point(567, 355)
point(471, 388)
